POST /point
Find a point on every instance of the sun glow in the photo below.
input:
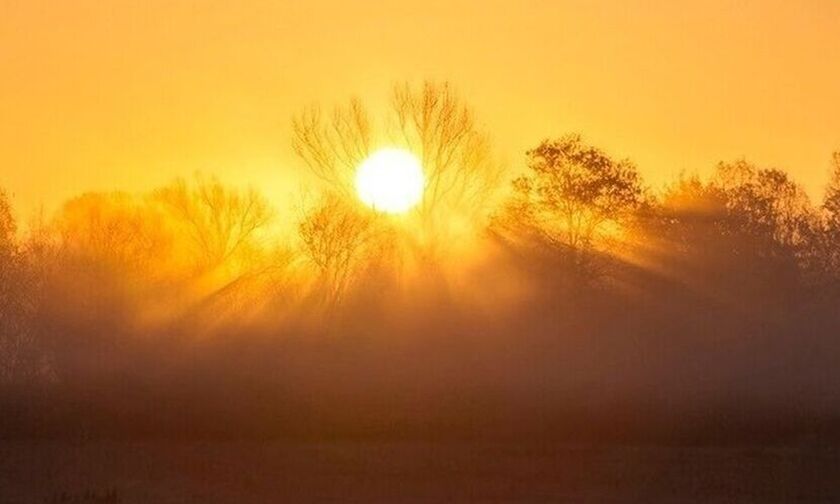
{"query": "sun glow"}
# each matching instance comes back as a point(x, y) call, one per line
point(390, 180)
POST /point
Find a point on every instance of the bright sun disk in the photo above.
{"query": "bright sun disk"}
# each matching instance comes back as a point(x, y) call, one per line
point(390, 180)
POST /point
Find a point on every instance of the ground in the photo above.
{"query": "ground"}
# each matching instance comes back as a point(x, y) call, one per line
point(164, 472)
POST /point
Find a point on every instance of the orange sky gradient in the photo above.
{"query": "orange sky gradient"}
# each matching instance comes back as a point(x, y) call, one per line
point(127, 95)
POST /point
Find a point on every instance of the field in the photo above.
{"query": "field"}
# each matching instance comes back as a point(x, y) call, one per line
point(250, 472)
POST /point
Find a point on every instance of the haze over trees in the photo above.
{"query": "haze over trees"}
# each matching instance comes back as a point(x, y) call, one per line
point(584, 297)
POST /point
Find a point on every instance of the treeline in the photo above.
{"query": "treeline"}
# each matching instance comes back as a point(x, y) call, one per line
point(571, 298)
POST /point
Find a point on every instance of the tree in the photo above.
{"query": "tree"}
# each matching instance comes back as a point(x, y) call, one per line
point(8, 228)
point(435, 124)
point(832, 196)
point(693, 236)
point(745, 237)
point(572, 198)
point(116, 231)
point(831, 222)
point(21, 356)
point(112, 247)
point(338, 240)
point(332, 148)
point(685, 222)
point(766, 206)
point(9, 298)
point(461, 174)
point(221, 224)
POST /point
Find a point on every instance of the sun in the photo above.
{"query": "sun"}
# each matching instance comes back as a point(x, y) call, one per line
point(390, 180)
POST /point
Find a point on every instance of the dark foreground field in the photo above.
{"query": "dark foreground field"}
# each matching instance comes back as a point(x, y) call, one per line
point(244, 472)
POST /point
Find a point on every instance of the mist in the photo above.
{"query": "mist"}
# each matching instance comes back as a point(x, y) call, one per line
point(572, 302)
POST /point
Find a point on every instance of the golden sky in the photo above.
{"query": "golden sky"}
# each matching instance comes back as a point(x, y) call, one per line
point(121, 94)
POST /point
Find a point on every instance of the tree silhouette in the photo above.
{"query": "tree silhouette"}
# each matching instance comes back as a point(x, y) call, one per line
point(573, 196)
point(461, 174)
point(9, 297)
point(333, 147)
point(21, 355)
point(220, 223)
point(338, 240)
point(435, 124)
point(684, 227)
point(8, 228)
point(116, 231)
point(691, 235)
point(747, 237)
point(767, 207)
point(831, 228)
point(832, 196)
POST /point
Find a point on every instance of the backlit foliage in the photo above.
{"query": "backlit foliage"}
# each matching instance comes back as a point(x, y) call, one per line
point(572, 199)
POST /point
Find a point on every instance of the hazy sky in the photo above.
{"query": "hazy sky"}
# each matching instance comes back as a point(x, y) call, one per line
point(125, 94)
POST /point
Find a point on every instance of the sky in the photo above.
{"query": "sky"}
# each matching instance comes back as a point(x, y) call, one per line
point(129, 94)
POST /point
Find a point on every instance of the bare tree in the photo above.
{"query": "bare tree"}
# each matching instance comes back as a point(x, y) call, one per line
point(461, 174)
point(220, 223)
point(338, 240)
point(333, 147)
point(435, 124)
